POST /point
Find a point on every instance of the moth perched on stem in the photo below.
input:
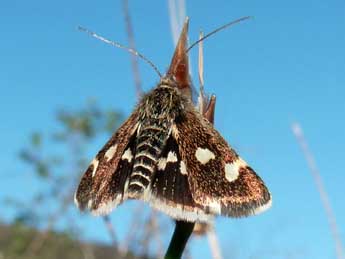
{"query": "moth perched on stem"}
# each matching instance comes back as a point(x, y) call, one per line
point(167, 154)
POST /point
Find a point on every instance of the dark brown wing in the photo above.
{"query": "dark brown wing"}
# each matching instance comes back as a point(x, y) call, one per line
point(218, 178)
point(102, 187)
point(170, 190)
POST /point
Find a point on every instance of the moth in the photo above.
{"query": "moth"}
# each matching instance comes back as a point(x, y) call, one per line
point(167, 154)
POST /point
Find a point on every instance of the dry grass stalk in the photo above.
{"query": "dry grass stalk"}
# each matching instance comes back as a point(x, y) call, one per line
point(134, 58)
point(297, 130)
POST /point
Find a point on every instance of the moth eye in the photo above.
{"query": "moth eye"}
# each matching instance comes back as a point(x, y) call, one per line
point(204, 155)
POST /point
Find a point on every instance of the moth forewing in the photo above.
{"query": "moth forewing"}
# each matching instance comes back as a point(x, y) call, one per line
point(170, 189)
point(101, 187)
point(218, 178)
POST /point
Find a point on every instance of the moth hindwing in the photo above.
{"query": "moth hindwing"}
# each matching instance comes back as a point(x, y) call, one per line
point(170, 156)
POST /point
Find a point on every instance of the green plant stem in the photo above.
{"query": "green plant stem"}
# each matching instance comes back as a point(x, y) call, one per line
point(182, 232)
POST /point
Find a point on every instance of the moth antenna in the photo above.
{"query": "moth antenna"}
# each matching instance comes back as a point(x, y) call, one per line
point(217, 30)
point(118, 45)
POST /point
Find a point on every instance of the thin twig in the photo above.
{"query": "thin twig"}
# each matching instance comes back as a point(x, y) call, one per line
point(177, 16)
point(214, 243)
point(110, 228)
point(173, 21)
point(206, 107)
point(134, 226)
point(134, 60)
point(201, 64)
point(297, 130)
point(157, 233)
point(181, 12)
point(202, 100)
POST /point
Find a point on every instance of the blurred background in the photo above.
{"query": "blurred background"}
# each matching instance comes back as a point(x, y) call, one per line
point(279, 80)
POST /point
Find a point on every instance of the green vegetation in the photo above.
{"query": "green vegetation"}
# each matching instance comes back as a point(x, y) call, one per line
point(16, 240)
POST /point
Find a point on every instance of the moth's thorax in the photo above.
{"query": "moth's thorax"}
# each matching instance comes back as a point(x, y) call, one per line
point(163, 102)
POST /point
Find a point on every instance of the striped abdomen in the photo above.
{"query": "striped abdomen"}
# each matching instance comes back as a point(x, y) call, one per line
point(150, 140)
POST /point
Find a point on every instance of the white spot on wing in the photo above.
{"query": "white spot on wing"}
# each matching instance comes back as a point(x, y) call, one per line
point(204, 155)
point(174, 131)
point(162, 162)
point(183, 168)
point(110, 152)
point(127, 155)
point(232, 169)
point(172, 157)
point(95, 163)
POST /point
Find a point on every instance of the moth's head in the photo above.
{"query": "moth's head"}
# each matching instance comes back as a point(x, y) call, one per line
point(178, 72)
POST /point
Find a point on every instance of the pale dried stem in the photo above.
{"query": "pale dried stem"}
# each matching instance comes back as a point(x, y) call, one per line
point(202, 100)
point(177, 15)
point(297, 130)
point(134, 59)
point(110, 228)
point(201, 63)
point(148, 233)
point(152, 231)
point(181, 11)
point(134, 226)
point(203, 105)
point(214, 243)
point(173, 21)
point(157, 234)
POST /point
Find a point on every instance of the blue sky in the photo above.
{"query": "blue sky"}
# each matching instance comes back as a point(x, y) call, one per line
point(285, 65)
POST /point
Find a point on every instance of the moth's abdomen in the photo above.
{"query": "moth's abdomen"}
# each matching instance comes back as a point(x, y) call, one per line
point(150, 142)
